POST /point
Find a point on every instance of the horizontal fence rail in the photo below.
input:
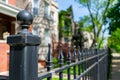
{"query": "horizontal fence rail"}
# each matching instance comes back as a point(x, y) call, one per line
point(92, 65)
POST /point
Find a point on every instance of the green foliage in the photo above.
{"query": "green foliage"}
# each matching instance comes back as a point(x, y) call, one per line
point(97, 10)
point(72, 70)
point(113, 17)
point(114, 40)
point(55, 62)
point(55, 79)
point(83, 1)
point(85, 24)
point(65, 23)
point(100, 41)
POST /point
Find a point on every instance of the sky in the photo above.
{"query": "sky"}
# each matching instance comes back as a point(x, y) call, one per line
point(78, 11)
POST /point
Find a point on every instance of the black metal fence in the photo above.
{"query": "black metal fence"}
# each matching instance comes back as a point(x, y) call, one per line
point(86, 64)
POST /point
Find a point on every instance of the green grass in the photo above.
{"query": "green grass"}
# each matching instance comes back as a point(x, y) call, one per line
point(72, 70)
point(54, 79)
point(55, 62)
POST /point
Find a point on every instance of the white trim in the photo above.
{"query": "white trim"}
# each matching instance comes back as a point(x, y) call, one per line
point(5, 73)
point(7, 1)
point(8, 9)
point(3, 41)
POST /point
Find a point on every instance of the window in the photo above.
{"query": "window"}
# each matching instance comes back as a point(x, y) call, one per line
point(35, 7)
point(47, 37)
point(46, 10)
point(4, 32)
point(53, 17)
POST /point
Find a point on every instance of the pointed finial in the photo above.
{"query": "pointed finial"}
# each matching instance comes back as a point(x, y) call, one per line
point(49, 58)
point(79, 53)
point(74, 55)
point(68, 56)
point(60, 57)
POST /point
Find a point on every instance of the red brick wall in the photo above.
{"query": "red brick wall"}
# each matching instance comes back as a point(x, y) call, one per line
point(4, 57)
point(12, 2)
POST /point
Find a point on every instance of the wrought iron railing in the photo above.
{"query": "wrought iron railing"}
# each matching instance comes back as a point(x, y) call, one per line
point(91, 64)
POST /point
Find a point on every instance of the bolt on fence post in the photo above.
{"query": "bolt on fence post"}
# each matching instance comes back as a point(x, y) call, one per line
point(49, 61)
point(23, 50)
point(61, 62)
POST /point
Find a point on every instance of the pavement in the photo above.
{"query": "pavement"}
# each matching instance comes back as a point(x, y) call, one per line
point(116, 66)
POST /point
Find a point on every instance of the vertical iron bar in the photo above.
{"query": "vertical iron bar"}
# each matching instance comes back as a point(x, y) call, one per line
point(68, 62)
point(87, 65)
point(61, 62)
point(98, 72)
point(83, 64)
point(79, 57)
point(74, 60)
point(90, 54)
point(107, 65)
point(49, 61)
point(93, 71)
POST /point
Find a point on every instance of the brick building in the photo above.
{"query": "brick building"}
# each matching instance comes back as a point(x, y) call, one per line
point(8, 13)
point(45, 24)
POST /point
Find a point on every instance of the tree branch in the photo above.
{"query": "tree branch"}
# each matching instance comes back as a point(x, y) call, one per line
point(93, 24)
point(103, 17)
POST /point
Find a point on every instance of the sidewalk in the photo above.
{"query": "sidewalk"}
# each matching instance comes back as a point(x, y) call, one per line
point(116, 66)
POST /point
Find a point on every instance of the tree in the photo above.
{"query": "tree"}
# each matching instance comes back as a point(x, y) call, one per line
point(113, 18)
point(97, 12)
point(65, 23)
point(114, 40)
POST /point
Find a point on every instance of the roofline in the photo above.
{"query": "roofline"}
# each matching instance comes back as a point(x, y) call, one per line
point(8, 9)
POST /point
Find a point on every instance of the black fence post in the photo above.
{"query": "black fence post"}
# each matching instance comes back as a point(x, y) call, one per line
point(74, 60)
point(23, 50)
point(109, 63)
point(61, 62)
point(79, 58)
point(49, 61)
point(97, 77)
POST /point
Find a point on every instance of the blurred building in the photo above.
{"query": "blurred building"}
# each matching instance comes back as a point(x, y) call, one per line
point(45, 23)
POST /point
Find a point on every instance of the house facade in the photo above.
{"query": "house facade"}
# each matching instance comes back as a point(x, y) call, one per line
point(45, 25)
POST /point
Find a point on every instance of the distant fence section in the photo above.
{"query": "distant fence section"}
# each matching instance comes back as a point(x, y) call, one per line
point(85, 65)
point(82, 64)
